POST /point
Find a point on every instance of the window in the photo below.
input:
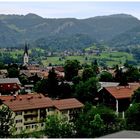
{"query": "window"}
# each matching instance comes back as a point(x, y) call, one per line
point(33, 126)
point(50, 109)
point(18, 113)
point(42, 124)
point(26, 112)
point(19, 121)
point(28, 127)
point(64, 112)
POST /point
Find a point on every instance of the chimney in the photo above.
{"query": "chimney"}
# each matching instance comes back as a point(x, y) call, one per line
point(118, 87)
point(39, 96)
point(15, 96)
point(29, 97)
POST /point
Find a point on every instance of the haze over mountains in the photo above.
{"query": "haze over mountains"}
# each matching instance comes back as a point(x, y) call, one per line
point(115, 30)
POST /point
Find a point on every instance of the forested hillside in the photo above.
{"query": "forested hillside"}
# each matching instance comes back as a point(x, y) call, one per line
point(67, 33)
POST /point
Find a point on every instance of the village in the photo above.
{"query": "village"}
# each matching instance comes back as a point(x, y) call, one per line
point(33, 92)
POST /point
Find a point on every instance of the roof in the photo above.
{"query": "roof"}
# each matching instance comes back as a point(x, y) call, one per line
point(108, 84)
point(25, 96)
point(59, 68)
point(67, 104)
point(9, 80)
point(35, 101)
point(121, 92)
point(123, 134)
point(26, 49)
point(28, 103)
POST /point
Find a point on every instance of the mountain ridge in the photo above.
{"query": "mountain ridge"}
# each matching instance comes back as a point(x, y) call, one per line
point(16, 29)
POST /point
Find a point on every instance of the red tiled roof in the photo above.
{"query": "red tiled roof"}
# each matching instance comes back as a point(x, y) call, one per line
point(67, 104)
point(36, 101)
point(121, 92)
point(29, 103)
point(60, 69)
point(25, 96)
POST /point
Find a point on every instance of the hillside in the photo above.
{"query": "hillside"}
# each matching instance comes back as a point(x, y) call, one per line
point(65, 32)
point(130, 37)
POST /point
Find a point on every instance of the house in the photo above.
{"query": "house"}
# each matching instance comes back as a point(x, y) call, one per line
point(118, 97)
point(9, 86)
point(31, 110)
point(28, 88)
point(68, 107)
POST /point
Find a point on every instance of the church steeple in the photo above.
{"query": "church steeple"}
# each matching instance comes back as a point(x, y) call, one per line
point(26, 55)
point(26, 49)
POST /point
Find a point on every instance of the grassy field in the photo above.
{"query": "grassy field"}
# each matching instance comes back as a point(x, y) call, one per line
point(107, 58)
point(110, 59)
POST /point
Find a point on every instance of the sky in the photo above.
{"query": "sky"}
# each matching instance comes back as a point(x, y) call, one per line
point(70, 9)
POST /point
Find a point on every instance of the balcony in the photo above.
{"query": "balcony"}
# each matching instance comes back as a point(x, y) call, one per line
point(31, 121)
point(29, 114)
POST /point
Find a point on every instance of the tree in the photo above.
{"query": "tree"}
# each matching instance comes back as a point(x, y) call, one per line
point(97, 126)
point(52, 85)
point(88, 73)
point(100, 119)
point(76, 79)
point(95, 66)
point(136, 96)
point(87, 91)
point(71, 68)
point(23, 79)
point(6, 122)
point(106, 77)
point(41, 86)
point(58, 127)
point(34, 79)
point(132, 74)
point(132, 117)
point(13, 72)
point(2, 66)
point(120, 76)
point(65, 90)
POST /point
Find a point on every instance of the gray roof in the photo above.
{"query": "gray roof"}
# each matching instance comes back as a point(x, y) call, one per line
point(124, 134)
point(9, 80)
point(108, 84)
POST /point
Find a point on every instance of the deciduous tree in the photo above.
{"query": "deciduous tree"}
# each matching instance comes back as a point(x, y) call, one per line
point(6, 122)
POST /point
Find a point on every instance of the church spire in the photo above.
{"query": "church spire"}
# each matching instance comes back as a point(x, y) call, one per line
point(26, 55)
point(26, 49)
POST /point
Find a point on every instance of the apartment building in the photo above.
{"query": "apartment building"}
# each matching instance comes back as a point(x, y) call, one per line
point(31, 110)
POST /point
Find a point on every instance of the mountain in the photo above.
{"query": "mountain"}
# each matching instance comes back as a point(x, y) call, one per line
point(65, 32)
point(130, 37)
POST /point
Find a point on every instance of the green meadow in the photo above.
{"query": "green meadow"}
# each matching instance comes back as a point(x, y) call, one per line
point(109, 59)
